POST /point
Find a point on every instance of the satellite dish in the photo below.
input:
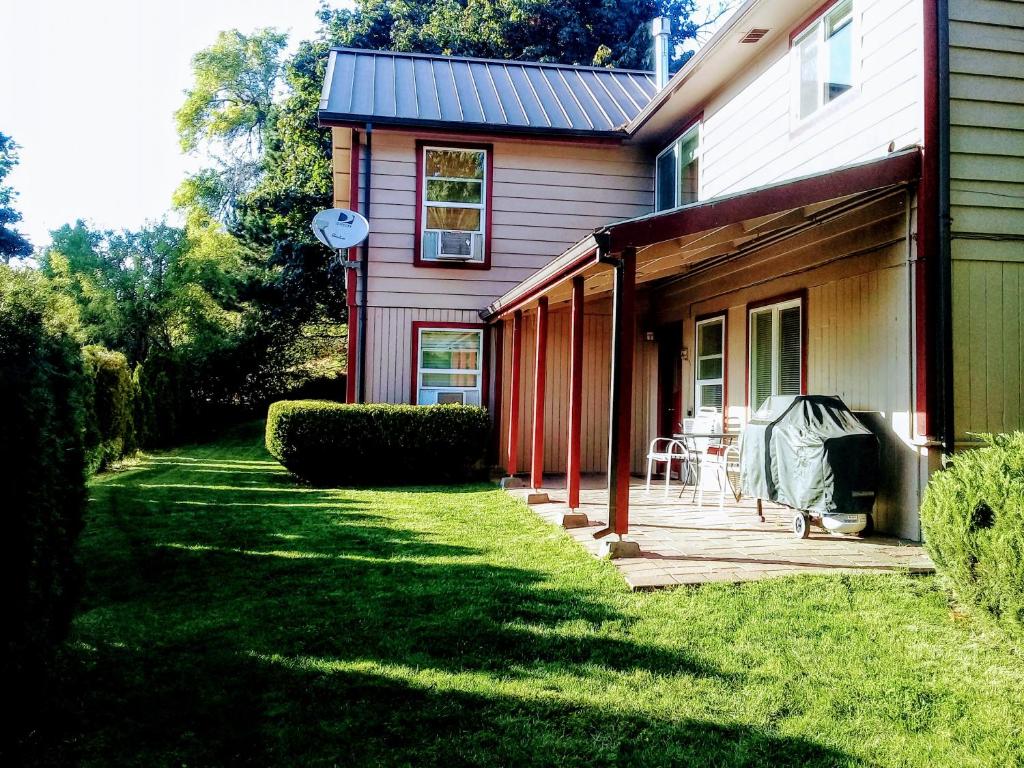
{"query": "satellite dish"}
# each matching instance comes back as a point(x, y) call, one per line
point(339, 228)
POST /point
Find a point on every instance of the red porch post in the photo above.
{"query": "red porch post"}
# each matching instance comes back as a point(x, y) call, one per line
point(513, 398)
point(620, 421)
point(575, 393)
point(540, 375)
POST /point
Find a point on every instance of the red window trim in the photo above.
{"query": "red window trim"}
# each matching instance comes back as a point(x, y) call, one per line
point(418, 325)
point(815, 16)
point(417, 259)
point(724, 314)
point(778, 299)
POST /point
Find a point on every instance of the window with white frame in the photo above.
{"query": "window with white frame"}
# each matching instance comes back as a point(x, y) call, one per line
point(776, 351)
point(454, 189)
point(824, 59)
point(449, 366)
point(709, 367)
point(677, 172)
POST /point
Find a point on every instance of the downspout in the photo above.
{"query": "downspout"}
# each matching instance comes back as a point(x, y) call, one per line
point(364, 266)
point(945, 256)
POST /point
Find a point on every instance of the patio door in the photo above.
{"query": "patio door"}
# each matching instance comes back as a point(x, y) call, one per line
point(670, 378)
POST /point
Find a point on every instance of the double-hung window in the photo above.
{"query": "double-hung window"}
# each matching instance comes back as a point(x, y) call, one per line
point(776, 351)
point(449, 365)
point(677, 171)
point(453, 204)
point(824, 59)
point(710, 364)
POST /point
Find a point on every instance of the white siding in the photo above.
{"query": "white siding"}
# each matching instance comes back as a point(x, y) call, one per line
point(750, 138)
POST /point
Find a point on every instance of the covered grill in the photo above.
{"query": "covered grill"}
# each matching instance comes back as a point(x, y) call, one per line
point(810, 453)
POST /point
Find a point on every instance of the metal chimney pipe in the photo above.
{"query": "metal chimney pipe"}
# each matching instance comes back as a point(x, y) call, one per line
point(661, 28)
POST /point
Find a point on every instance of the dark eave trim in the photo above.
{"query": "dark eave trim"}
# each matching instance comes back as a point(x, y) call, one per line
point(341, 120)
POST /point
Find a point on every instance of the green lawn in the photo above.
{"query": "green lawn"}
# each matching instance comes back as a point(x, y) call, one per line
point(232, 615)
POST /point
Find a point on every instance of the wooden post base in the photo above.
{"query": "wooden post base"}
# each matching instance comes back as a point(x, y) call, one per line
point(618, 549)
point(575, 520)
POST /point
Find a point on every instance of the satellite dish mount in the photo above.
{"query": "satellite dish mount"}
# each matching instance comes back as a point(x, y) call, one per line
point(340, 229)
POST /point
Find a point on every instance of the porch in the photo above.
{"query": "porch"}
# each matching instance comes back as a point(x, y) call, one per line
point(683, 544)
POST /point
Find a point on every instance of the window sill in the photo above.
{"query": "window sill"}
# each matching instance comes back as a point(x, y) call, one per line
point(826, 115)
point(444, 264)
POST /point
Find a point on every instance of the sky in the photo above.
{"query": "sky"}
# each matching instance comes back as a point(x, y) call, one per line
point(88, 88)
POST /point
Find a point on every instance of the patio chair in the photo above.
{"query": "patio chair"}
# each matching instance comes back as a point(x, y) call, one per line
point(666, 450)
point(702, 449)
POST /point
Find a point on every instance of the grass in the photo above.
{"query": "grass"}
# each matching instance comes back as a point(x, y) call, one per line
point(234, 616)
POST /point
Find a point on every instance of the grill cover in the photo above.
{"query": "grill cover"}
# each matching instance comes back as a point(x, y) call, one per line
point(811, 453)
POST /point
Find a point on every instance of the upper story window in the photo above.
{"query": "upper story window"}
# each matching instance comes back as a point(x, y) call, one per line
point(824, 59)
point(677, 172)
point(453, 204)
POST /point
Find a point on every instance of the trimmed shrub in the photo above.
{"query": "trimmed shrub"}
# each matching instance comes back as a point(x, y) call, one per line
point(337, 444)
point(42, 478)
point(973, 520)
point(110, 431)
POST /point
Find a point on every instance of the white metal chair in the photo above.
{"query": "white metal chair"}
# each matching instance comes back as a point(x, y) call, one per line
point(666, 450)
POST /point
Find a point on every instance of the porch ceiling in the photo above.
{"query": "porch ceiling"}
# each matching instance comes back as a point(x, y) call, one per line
point(686, 239)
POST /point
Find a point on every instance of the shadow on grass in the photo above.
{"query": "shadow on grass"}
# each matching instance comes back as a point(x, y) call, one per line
point(234, 625)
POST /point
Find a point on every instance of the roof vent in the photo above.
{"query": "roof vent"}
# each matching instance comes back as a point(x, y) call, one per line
point(754, 35)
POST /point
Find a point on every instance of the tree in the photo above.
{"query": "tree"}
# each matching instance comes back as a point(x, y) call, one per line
point(226, 113)
point(597, 32)
point(12, 243)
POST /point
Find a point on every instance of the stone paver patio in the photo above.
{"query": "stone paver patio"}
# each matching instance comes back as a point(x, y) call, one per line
point(681, 544)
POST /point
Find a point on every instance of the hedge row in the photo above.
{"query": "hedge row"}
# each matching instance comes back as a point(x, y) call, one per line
point(337, 444)
point(43, 388)
point(973, 520)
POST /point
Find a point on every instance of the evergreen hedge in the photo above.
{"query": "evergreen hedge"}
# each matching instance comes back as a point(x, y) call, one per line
point(973, 520)
point(42, 478)
point(110, 430)
point(345, 444)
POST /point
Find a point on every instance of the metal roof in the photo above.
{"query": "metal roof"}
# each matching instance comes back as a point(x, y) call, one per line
point(386, 87)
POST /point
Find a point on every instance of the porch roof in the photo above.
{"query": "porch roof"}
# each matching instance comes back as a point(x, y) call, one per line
point(716, 229)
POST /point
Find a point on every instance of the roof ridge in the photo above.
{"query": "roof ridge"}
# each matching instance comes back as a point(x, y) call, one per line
point(519, 62)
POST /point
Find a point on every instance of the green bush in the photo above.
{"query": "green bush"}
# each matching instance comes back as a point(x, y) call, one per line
point(973, 520)
point(42, 477)
point(337, 444)
point(110, 431)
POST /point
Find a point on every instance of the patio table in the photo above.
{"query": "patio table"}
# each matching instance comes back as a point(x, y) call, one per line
point(727, 439)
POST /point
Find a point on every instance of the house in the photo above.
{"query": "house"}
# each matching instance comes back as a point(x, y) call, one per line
point(825, 198)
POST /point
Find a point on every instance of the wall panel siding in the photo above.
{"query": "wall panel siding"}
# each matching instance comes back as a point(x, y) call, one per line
point(545, 197)
point(750, 138)
point(389, 348)
point(987, 194)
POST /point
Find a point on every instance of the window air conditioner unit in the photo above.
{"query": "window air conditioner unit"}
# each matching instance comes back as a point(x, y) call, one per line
point(454, 246)
point(451, 398)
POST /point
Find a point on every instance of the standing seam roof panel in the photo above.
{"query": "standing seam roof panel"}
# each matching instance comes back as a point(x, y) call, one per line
point(527, 100)
point(469, 98)
point(487, 93)
point(427, 105)
point(514, 114)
